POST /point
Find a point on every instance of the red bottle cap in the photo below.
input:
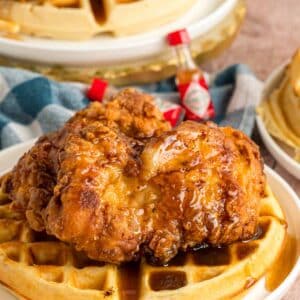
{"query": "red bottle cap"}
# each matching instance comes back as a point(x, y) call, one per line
point(178, 37)
point(97, 89)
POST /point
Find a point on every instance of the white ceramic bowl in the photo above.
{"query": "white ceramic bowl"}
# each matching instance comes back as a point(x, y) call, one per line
point(105, 50)
point(287, 198)
point(279, 153)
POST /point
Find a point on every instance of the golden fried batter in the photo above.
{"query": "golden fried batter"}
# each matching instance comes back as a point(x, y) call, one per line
point(117, 182)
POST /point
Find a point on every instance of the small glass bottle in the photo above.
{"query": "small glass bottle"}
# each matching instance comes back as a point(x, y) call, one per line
point(190, 80)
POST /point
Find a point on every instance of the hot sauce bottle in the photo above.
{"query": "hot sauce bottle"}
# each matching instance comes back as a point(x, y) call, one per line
point(190, 80)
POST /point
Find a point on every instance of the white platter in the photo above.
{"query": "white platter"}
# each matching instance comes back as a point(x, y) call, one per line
point(105, 49)
point(278, 151)
point(287, 198)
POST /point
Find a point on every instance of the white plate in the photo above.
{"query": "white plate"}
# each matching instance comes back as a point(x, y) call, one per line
point(287, 198)
point(105, 49)
point(279, 153)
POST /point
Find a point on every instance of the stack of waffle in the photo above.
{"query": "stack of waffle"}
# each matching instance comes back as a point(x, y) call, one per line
point(82, 19)
point(34, 264)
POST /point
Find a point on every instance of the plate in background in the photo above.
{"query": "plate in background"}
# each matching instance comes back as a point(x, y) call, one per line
point(276, 148)
point(106, 49)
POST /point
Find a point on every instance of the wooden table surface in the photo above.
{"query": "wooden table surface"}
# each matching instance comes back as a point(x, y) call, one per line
point(270, 35)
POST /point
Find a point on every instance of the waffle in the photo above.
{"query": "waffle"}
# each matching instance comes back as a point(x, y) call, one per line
point(82, 19)
point(36, 266)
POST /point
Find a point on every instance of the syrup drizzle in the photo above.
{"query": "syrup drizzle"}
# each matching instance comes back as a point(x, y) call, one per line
point(283, 265)
point(129, 274)
point(129, 281)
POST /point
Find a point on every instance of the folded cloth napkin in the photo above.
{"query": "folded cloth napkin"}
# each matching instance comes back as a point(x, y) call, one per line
point(31, 104)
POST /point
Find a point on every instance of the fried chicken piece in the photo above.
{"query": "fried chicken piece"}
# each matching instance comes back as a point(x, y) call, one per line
point(116, 182)
point(31, 183)
point(210, 181)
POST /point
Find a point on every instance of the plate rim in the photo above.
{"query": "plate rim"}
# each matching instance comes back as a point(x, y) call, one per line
point(68, 54)
point(193, 28)
point(282, 289)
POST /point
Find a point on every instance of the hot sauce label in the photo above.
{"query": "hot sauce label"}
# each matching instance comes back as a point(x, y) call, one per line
point(196, 100)
point(172, 112)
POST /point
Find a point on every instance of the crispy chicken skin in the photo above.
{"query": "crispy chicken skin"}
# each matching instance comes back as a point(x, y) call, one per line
point(116, 182)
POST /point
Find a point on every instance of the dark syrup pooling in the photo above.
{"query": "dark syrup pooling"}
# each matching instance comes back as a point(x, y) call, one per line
point(167, 280)
point(163, 279)
point(129, 281)
point(244, 250)
point(218, 256)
